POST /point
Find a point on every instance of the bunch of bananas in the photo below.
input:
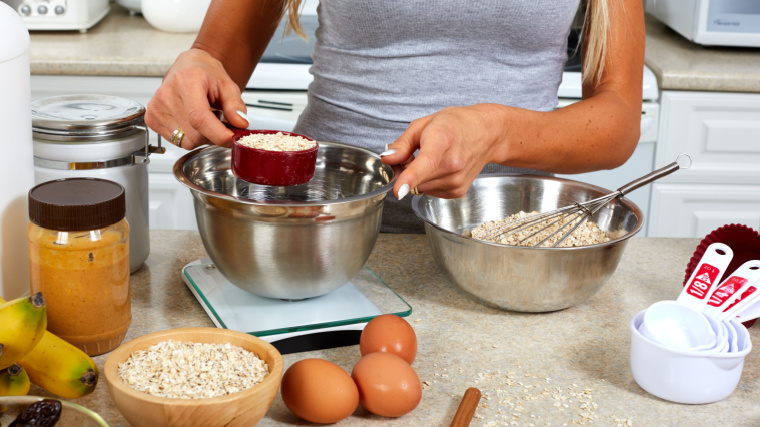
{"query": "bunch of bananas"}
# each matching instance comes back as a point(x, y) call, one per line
point(31, 354)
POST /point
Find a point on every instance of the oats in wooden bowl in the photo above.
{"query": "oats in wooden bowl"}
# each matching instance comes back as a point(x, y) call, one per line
point(194, 377)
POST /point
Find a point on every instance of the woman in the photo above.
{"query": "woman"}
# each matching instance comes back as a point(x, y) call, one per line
point(462, 84)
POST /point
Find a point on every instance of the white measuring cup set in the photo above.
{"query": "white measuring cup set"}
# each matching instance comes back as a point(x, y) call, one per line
point(700, 318)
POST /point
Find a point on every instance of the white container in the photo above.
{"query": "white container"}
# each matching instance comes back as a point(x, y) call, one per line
point(97, 136)
point(16, 173)
point(175, 16)
point(133, 6)
point(685, 376)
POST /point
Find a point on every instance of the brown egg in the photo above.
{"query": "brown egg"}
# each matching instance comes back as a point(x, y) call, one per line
point(388, 386)
point(391, 334)
point(319, 391)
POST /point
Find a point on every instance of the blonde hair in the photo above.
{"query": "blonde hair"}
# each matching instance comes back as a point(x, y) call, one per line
point(596, 24)
point(292, 10)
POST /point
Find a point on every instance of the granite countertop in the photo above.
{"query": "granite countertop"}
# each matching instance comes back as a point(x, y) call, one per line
point(581, 353)
point(682, 65)
point(122, 44)
point(126, 45)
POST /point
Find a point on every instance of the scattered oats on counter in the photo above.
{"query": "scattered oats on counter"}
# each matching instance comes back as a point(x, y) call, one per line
point(627, 422)
point(185, 370)
point(513, 398)
point(276, 142)
point(587, 234)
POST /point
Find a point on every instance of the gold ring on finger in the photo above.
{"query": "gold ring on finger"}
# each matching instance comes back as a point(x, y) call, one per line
point(176, 137)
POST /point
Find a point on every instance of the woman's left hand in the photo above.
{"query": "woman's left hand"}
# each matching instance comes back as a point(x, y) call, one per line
point(454, 145)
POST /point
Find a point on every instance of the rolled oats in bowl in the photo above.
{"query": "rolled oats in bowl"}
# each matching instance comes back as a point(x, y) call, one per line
point(186, 370)
point(588, 233)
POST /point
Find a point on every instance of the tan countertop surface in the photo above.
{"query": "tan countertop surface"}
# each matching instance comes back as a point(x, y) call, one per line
point(580, 353)
point(682, 65)
point(126, 45)
point(120, 45)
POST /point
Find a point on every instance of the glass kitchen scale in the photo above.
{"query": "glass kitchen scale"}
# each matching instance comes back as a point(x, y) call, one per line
point(327, 321)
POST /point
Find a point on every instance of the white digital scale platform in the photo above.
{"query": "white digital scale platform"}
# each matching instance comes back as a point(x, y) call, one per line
point(332, 320)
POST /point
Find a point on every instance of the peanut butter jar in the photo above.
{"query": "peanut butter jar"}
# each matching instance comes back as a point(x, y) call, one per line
point(79, 260)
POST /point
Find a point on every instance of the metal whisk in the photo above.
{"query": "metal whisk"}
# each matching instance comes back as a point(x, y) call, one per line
point(571, 217)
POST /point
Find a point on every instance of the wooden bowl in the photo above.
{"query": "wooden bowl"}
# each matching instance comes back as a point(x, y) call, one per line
point(278, 168)
point(244, 408)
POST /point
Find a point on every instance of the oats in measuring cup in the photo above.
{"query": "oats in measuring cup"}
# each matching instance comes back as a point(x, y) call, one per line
point(276, 142)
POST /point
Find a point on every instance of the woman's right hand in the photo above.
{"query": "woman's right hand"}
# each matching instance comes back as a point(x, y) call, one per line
point(194, 89)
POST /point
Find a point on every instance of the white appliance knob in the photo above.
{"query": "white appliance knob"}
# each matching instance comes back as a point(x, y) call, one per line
point(25, 10)
point(42, 10)
point(59, 10)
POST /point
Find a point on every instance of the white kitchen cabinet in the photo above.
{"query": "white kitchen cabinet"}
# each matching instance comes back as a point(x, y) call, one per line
point(721, 133)
point(170, 203)
point(694, 210)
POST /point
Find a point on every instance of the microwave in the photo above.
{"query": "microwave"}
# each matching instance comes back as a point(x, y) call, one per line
point(711, 22)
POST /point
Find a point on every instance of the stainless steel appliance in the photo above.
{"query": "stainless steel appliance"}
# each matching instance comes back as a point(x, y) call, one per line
point(711, 22)
point(54, 15)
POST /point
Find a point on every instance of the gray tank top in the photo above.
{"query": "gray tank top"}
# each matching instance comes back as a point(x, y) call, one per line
point(379, 64)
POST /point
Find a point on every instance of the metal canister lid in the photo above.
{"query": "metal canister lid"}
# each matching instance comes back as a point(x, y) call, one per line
point(86, 117)
point(77, 204)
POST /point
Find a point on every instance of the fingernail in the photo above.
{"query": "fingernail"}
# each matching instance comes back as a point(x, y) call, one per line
point(403, 191)
point(386, 147)
point(245, 116)
point(388, 152)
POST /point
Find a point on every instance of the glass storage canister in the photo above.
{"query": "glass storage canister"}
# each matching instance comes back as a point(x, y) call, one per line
point(79, 259)
point(97, 136)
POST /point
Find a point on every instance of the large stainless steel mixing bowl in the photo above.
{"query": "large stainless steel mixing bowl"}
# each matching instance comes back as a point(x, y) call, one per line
point(520, 278)
point(291, 242)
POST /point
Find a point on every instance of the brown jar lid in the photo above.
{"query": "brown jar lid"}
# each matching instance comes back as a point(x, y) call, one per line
point(76, 204)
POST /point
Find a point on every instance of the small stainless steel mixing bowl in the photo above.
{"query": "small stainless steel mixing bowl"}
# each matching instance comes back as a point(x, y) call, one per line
point(293, 242)
point(521, 278)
